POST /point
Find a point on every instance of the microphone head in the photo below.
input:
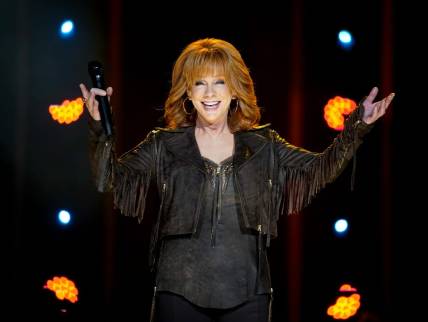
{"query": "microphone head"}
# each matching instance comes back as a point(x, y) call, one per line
point(96, 71)
point(95, 68)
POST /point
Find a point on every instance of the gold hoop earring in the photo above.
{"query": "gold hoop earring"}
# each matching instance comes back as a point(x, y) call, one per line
point(183, 105)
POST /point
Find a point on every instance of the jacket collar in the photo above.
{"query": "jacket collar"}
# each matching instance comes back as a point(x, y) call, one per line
point(183, 144)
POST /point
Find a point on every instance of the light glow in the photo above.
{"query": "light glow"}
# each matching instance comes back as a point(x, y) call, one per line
point(336, 109)
point(67, 29)
point(67, 112)
point(64, 288)
point(345, 39)
point(64, 217)
point(345, 306)
point(340, 226)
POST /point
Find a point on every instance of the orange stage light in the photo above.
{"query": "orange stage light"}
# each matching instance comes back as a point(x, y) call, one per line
point(345, 306)
point(63, 288)
point(68, 111)
point(347, 288)
point(335, 110)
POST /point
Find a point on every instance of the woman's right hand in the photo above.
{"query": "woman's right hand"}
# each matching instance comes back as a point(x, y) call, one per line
point(90, 101)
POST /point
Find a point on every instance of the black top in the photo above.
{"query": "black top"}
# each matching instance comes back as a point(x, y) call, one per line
point(217, 266)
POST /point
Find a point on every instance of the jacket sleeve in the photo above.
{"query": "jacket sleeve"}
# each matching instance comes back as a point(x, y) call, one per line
point(128, 176)
point(303, 173)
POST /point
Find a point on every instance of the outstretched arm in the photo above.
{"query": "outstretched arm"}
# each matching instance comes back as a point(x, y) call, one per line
point(305, 173)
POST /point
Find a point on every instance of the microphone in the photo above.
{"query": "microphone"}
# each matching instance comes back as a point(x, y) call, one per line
point(96, 71)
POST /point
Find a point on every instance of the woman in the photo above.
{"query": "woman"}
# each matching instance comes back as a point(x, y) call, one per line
point(223, 182)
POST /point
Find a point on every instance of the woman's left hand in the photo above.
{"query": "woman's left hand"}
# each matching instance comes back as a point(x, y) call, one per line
point(374, 110)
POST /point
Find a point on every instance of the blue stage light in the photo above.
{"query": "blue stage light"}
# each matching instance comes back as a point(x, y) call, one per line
point(64, 217)
point(341, 227)
point(345, 39)
point(67, 29)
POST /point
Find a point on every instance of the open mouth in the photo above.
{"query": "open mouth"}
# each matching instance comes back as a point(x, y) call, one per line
point(211, 106)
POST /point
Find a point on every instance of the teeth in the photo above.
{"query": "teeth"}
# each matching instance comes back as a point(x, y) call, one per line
point(210, 103)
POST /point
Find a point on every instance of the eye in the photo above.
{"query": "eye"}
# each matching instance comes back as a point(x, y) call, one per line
point(199, 83)
point(220, 81)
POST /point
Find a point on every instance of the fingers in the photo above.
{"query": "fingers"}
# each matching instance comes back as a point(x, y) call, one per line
point(373, 111)
point(385, 103)
point(98, 91)
point(90, 101)
point(380, 107)
point(89, 96)
point(370, 98)
point(109, 91)
point(390, 98)
point(387, 100)
point(84, 90)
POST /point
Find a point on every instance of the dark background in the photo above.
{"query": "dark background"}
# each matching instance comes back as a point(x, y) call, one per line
point(45, 165)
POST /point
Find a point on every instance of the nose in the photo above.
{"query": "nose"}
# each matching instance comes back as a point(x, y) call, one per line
point(209, 90)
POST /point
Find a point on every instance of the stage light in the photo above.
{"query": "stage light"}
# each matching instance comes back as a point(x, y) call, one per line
point(335, 109)
point(68, 111)
point(67, 29)
point(345, 39)
point(64, 217)
point(345, 306)
point(64, 288)
point(341, 226)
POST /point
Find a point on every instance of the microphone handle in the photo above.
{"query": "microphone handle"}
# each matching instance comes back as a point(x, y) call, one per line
point(103, 106)
point(105, 113)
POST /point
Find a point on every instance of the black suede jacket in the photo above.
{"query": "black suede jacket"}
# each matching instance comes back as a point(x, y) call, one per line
point(272, 176)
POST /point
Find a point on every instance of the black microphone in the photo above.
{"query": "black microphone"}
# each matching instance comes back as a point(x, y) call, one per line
point(96, 71)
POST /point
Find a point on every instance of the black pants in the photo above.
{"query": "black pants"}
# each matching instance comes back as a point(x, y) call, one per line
point(175, 308)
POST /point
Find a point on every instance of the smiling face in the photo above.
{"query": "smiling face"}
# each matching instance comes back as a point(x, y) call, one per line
point(211, 98)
